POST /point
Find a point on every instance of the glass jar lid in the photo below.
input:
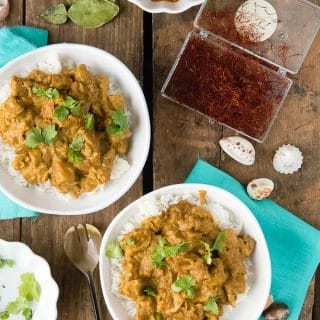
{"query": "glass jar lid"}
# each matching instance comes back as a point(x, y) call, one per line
point(278, 31)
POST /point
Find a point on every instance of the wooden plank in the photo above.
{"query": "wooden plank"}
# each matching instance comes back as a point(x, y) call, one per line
point(10, 229)
point(46, 235)
point(299, 124)
point(180, 136)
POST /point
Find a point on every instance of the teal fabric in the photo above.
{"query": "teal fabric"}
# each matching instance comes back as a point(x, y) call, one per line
point(294, 245)
point(15, 41)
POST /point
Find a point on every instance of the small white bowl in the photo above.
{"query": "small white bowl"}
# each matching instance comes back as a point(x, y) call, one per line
point(26, 261)
point(98, 61)
point(166, 6)
point(249, 307)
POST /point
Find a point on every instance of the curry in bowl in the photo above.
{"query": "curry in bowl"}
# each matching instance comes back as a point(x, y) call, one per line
point(65, 128)
point(181, 264)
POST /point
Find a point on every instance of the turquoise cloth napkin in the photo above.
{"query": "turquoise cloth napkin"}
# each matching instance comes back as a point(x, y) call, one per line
point(15, 41)
point(293, 244)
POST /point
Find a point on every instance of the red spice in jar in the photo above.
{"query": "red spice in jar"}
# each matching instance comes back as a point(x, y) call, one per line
point(226, 86)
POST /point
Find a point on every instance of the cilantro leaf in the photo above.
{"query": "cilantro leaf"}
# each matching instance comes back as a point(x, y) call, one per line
point(89, 121)
point(73, 105)
point(6, 262)
point(218, 242)
point(49, 93)
point(17, 306)
point(33, 138)
point(158, 316)
point(77, 143)
point(131, 242)
point(113, 250)
point(29, 288)
point(74, 157)
point(4, 315)
point(49, 134)
point(163, 250)
point(27, 313)
point(185, 283)
point(119, 123)
point(212, 306)
point(74, 154)
point(61, 113)
point(149, 291)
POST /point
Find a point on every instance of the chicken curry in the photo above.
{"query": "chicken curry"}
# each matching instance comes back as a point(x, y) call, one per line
point(181, 265)
point(65, 128)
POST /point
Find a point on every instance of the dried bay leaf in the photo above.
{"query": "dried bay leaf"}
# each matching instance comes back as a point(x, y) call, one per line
point(56, 14)
point(92, 13)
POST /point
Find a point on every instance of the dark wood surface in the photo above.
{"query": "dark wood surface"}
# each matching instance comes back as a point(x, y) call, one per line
point(149, 45)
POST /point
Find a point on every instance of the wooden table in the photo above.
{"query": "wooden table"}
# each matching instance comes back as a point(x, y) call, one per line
point(148, 45)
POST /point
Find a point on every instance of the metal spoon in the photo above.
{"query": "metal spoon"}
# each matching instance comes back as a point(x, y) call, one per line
point(81, 245)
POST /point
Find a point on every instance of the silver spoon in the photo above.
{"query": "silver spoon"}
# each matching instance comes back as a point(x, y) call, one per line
point(82, 245)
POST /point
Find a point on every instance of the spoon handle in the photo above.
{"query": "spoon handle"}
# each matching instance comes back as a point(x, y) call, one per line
point(93, 295)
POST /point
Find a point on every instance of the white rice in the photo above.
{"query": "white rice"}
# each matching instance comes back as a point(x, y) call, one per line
point(155, 206)
point(52, 63)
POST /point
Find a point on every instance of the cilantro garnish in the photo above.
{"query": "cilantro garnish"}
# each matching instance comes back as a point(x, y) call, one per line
point(6, 262)
point(216, 246)
point(35, 136)
point(74, 154)
point(212, 306)
point(158, 316)
point(89, 121)
point(185, 283)
point(163, 250)
point(149, 291)
point(69, 105)
point(49, 93)
point(119, 123)
point(29, 290)
point(131, 242)
point(113, 250)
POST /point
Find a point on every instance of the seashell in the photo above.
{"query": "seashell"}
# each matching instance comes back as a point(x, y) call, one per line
point(240, 149)
point(287, 159)
point(276, 311)
point(4, 9)
point(259, 189)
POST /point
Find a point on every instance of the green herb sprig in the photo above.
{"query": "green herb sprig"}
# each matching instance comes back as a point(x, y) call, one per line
point(113, 250)
point(47, 135)
point(89, 121)
point(164, 250)
point(216, 246)
point(69, 105)
point(6, 262)
point(212, 306)
point(119, 123)
point(149, 291)
point(185, 283)
point(50, 93)
point(74, 154)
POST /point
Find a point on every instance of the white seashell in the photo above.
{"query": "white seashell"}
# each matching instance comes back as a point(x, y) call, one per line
point(4, 9)
point(287, 159)
point(259, 189)
point(240, 149)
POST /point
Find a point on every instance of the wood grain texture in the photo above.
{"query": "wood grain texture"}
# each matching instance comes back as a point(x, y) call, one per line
point(10, 229)
point(46, 235)
point(179, 139)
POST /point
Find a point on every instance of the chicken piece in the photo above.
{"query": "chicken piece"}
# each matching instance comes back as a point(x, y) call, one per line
point(63, 175)
point(117, 102)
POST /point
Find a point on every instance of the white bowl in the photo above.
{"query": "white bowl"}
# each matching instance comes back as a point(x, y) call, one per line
point(166, 6)
point(26, 261)
point(98, 61)
point(248, 307)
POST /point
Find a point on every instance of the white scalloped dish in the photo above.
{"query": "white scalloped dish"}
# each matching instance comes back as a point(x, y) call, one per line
point(26, 261)
point(166, 6)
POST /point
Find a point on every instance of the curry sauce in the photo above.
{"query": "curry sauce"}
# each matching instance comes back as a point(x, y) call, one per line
point(65, 128)
point(181, 265)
